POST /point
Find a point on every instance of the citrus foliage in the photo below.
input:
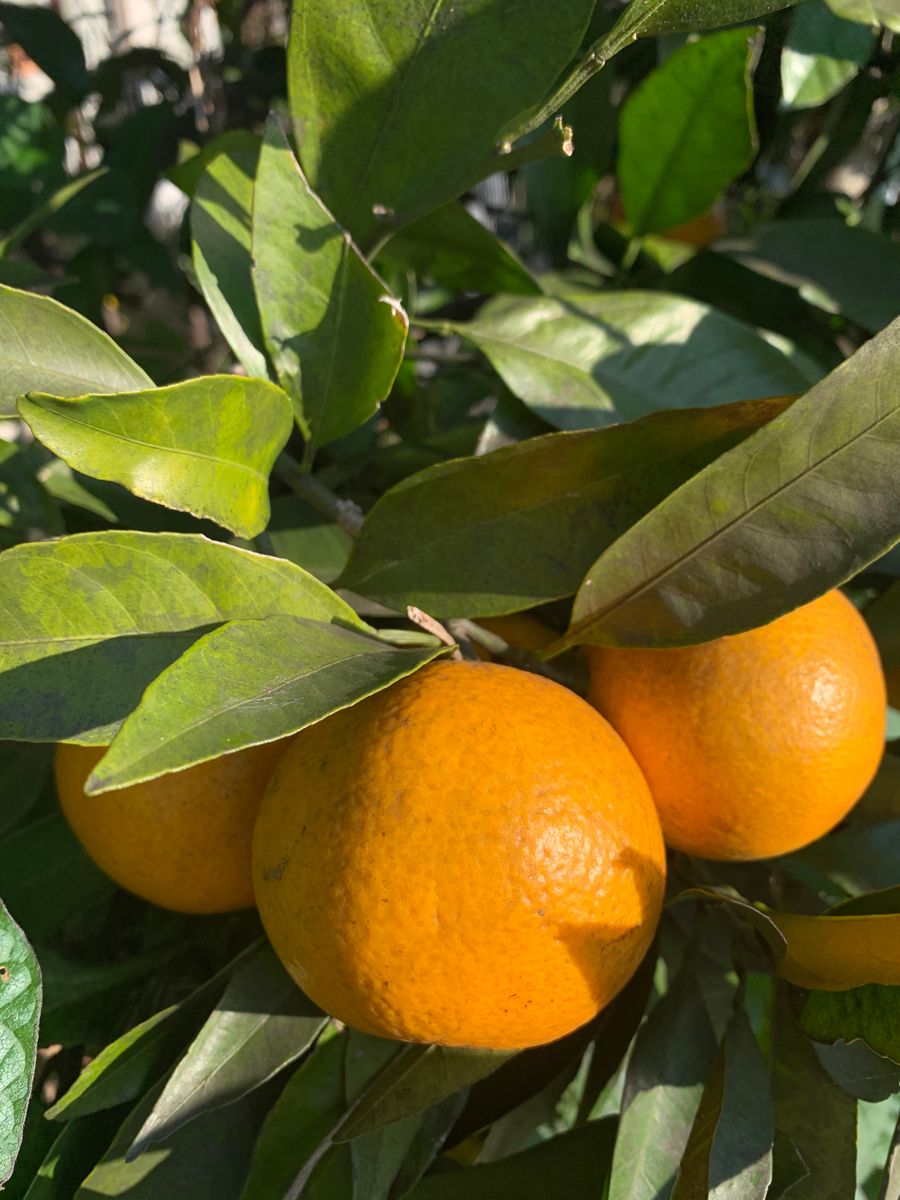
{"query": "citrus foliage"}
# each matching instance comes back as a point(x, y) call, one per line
point(479, 308)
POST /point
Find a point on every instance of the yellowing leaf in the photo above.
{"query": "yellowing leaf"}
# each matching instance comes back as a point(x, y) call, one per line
point(833, 953)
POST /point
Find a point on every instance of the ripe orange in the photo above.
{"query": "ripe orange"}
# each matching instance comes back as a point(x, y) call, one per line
point(181, 841)
point(470, 857)
point(753, 745)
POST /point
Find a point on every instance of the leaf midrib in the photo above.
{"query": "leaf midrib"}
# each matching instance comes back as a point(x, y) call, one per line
point(654, 581)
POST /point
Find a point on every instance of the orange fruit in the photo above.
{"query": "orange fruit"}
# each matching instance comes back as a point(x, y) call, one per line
point(757, 744)
point(470, 857)
point(181, 841)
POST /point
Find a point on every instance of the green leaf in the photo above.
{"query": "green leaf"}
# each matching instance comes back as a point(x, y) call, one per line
point(859, 1070)
point(686, 132)
point(590, 359)
point(221, 224)
point(205, 446)
point(193, 163)
point(821, 54)
point(262, 1023)
point(20, 1010)
point(24, 504)
point(91, 619)
point(861, 858)
point(399, 108)
point(452, 248)
point(890, 1184)
point(246, 683)
point(822, 1132)
point(334, 333)
point(376, 1157)
point(71, 1156)
point(24, 772)
point(301, 534)
point(207, 1158)
point(795, 510)
point(664, 1082)
point(46, 346)
point(851, 271)
point(729, 1151)
point(871, 1013)
point(647, 18)
point(432, 1129)
point(521, 525)
point(574, 1165)
point(75, 993)
point(869, 12)
point(48, 879)
point(413, 1080)
point(126, 1067)
point(310, 1105)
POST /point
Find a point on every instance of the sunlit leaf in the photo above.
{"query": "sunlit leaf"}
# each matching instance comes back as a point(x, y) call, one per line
point(45, 346)
point(205, 446)
point(20, 1010)
point(318, 297)
point(685, 132)
point(793, 511)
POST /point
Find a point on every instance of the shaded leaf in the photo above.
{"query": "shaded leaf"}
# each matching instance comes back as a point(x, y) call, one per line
point(664, 1082)
point(521, 525)
point(574, 1164)
point(48, 879)
point(25, 506)
point(795, 510)
point(318, 296)
point(433, 1129)
point(452, 248)
point(301, 534)
point(590, 359)
point(46, 346)
point(126, 1067)
point(685, 132)
point(729, 1151)
point(813, 1118)
point(221, 221)
point(821, 54)
point(414, 1079)
point(369, 90)
point(74, 992)
point(183, 1167)
point(859, 1070)
point(760, 919)
point(871, 1013)
point(861, 858)
point(20, 1010)
point(246, 683)
point(262, 1023)
point(310, 1105)
point(205, 446)
point(24, 772)
point(851, 271)
point(89, 620)
point(73, 1153)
